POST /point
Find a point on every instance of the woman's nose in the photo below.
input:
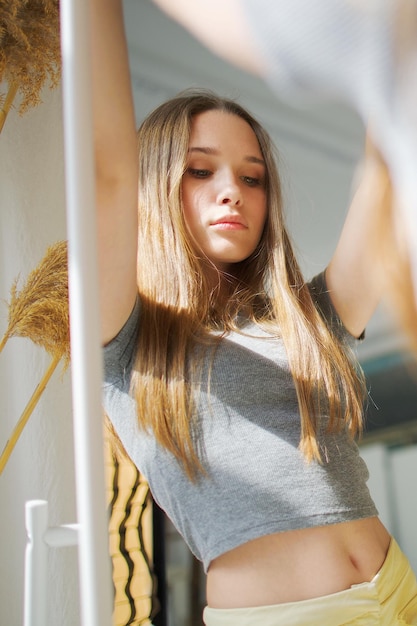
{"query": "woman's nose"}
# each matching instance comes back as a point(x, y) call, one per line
point(229, 193)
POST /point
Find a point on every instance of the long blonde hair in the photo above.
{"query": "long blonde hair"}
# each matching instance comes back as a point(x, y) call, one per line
point(179, 307)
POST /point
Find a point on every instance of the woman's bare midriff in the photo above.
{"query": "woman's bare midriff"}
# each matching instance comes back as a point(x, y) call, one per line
point(298, 564)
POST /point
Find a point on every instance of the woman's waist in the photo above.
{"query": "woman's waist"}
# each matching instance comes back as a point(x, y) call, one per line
point(298, 565)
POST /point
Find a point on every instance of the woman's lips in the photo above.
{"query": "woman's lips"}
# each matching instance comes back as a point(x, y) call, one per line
point(229, 223)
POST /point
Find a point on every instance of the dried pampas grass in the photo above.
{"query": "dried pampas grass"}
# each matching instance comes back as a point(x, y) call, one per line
point(29, 50)
point(40, 312)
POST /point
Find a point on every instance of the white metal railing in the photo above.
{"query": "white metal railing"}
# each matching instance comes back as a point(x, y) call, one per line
point(94, 560)
point(41, 537)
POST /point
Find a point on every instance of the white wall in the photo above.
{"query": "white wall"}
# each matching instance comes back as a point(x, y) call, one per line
point(32, 216)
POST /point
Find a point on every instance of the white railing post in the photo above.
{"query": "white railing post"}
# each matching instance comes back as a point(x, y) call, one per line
point(95, 573)
point(36, 562)
point(40, 538)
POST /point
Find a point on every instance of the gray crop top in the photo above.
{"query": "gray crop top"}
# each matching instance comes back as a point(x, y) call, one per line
point(258, 481)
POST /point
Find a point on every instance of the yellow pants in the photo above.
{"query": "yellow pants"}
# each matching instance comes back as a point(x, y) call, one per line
point(390, 599)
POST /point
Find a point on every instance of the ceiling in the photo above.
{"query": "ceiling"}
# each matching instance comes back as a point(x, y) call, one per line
point(319, 144)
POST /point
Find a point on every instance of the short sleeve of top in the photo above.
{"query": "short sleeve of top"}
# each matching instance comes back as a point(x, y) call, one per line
point(119, 353)
point(321, 298)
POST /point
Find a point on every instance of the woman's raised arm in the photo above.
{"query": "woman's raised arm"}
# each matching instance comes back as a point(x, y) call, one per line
point(116, 165)
point(356, 275)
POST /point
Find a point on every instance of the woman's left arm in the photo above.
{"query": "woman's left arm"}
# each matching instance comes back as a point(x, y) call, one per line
point(356, 276)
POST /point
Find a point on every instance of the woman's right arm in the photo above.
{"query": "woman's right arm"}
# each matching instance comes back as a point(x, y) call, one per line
point(115, 166)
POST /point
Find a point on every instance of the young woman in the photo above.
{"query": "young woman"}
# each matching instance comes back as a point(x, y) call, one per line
point(230, 380)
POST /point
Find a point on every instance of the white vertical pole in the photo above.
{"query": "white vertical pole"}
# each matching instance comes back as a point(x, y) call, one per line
point(95, 573)
point(41, 537)
point(36, 562)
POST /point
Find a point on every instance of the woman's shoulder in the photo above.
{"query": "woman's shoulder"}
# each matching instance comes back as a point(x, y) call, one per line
point(120, 351)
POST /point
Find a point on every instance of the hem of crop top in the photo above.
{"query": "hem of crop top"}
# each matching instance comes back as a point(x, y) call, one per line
point(271, 528)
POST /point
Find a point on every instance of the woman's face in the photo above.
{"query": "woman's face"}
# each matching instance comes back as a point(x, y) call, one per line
point(223, 189)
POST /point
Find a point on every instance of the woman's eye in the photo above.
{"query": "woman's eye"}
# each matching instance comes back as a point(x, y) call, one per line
point(197, 173)
point(251, 181)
